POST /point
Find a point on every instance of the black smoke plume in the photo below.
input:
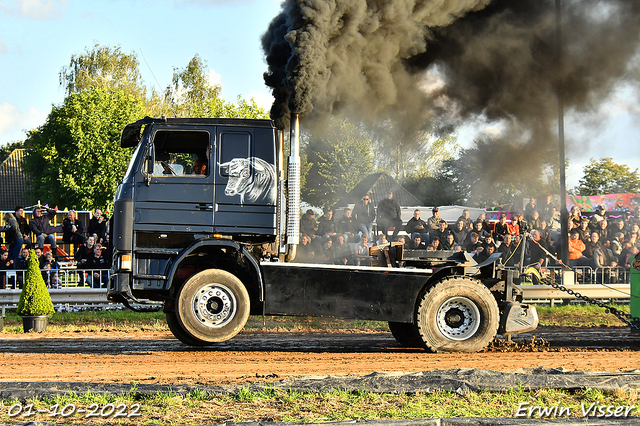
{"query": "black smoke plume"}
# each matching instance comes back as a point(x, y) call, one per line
point(450, 61)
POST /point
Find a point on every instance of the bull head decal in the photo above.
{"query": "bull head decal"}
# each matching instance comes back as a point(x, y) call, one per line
point(252, 178)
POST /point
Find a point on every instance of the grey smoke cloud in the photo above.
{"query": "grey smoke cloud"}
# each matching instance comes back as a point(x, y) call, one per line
point(495, 58)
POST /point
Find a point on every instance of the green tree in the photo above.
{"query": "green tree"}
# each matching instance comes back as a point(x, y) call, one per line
point(335, 163)
point(74, 159)
point(102, 67)
point(605, 176)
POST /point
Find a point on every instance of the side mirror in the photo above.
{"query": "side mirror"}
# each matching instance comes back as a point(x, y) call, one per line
point(149, 163)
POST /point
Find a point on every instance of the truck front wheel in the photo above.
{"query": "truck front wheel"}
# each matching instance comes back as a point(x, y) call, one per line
point(458, 314)
point(212, 306)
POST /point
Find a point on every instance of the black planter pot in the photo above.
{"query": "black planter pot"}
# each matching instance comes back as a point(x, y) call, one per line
point(1, 323)
point(35, 323)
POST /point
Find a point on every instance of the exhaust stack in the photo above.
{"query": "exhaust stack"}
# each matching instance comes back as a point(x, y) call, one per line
point(293, 200)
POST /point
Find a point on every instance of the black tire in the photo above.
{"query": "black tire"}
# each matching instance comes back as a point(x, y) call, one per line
point(180, 333)
point(458, 314)
point(406, 334)
point(212, 306)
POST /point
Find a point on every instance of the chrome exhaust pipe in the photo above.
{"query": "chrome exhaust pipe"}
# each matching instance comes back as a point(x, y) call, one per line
point(293, 200)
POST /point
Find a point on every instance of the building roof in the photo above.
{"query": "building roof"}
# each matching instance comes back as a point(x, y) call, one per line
point(379, 185)
point(13, 189)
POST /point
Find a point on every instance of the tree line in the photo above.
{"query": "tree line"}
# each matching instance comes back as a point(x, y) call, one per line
point(74, 159)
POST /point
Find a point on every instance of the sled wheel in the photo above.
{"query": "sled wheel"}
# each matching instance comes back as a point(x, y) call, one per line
point(212, 306)
point(458, 314)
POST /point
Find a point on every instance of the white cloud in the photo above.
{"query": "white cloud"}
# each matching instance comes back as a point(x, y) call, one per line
point(34, 9)
point(215, 79)
point(263, 99)
point(14, 123)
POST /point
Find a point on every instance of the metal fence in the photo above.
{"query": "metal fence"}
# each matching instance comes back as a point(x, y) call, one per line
point(60, 278)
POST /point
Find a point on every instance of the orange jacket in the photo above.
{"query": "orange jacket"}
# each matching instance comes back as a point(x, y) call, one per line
point(576, 247)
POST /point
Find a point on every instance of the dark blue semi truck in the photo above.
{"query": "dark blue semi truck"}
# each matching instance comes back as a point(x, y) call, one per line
point(200, 194)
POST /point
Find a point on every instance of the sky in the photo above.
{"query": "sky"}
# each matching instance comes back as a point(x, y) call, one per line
point(38, 38)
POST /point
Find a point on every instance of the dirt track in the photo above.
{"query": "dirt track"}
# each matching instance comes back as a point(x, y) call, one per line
point(157, 357)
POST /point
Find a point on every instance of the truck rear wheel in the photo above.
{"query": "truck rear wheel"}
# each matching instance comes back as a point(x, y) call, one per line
point(458, 314)
point(212, 306)
point(180, 333)
point(407, 334)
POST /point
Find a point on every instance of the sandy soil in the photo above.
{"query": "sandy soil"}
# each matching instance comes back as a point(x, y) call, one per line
point(157, 357)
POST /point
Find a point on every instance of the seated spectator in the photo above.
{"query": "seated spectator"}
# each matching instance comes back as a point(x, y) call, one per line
point(591, 246)
point(327, 225)
point(50, 276)
point(389, 216)
point(418, 244)
point(584, 233)
point(537, 250)
point(84, 252)
point(473, 242)
point(546, 208)
point(575, 215)
point(361, 251)
point(576, 248)
point(306, 251)
point(601, 229)
point(468, 222)
point(40, 257)
point(603, 260)
point(440, 233)
point(327, 250)
point(597, 217)
point(449, 242)
point(24, 226)
point(479, 229)
point(555, 223)
point(534, 222)
point(435, 244)
point(628, 254)
point(341, 251)
point(513, 228)
point(365, 215)
point(41, 228)
point(22, 264)
point(97, 226)
point(483, 219)
point(347, 226)
point(617, 243)
point(6, 264)
point(382, 239)
point(501, 228)
point(99, 268)
point(417, 227)
point(72, 229)
point(460, 232)
point(434, 221)
point(308, 224)
point(506, 250)
point(615, 228)
point(485, 253)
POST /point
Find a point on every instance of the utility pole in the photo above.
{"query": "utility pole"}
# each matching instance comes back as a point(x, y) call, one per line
point(564, 214)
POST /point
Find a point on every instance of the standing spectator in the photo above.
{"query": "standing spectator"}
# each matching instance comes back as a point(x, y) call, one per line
point(365, 214)
point(555, 223)
point(537, 253)
point(546, 210)
point(501, 228)
point(418, 227)
point(24, 226)
point(389, 215)
point(72, 229)
point(468, 223)
point(347, 226)
point(529, 209)
point(97, 226)
point(460, 232)
point(84, 252)
point(361, 251)
point(507, 251)
point(41, 228)
point(617, 243)
point(327, 224)
point(13, 235)
point(435, 219)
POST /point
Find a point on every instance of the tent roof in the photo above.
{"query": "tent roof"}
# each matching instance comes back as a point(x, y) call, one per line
point(14, 181)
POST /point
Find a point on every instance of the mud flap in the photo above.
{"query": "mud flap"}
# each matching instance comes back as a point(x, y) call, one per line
point(517, 318)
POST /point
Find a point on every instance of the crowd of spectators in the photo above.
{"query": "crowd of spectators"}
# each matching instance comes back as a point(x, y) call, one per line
point(90, 245)
point(598, 241)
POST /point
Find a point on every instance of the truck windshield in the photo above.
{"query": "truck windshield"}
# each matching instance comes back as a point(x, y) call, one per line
point(128, 176)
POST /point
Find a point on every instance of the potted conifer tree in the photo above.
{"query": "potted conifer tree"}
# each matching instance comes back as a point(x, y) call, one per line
point(35, 304)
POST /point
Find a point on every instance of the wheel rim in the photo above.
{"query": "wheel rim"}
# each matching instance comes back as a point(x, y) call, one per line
point(214, 305)
point(458, 318)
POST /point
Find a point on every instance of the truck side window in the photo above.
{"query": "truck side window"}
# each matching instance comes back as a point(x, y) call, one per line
point(181, 153)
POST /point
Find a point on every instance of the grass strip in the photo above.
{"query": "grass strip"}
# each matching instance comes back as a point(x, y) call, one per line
point(289, 406)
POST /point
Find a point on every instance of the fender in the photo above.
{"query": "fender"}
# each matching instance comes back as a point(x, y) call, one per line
point(255, 266)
